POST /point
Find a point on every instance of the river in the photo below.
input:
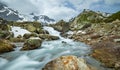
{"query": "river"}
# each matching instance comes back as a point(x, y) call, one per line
point(49, 50)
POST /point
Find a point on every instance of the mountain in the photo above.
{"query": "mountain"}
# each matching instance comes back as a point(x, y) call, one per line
point(41, 18)
point(87, 17)
point(9, 14)
point(12, 15)
point(113, 17)
point(91, 16)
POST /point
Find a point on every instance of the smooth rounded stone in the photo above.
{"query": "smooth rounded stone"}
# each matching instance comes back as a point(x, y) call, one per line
point(32, 43)
point(16, 39)
point(28, 35)
point(31, 28)
point(41, 31)
point(67, 63)
point(48, 37)
point(6, 46)
point(19, 36)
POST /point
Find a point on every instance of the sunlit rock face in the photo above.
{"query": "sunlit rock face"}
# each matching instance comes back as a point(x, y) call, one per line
point(6, 46)
point(67, 63)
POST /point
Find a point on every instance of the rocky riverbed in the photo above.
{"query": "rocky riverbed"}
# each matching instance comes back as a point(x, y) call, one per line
point(42, 47)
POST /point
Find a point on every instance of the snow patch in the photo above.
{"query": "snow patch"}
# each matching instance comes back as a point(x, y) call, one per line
point(2, 10)
point(18, 31)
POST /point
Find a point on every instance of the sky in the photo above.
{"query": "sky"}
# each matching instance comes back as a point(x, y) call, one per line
point(62, 9)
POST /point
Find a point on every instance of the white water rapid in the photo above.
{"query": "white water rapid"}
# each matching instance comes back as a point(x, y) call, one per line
point(36, 59)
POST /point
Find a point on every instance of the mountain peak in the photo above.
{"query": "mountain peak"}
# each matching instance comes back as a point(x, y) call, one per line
point(12, 15)
point(8, 13)
point(41, 18)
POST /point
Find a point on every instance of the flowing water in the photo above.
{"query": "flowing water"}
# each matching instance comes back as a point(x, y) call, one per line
point(36, 59)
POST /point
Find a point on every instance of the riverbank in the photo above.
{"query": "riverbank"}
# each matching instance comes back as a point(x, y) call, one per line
point(104, 38)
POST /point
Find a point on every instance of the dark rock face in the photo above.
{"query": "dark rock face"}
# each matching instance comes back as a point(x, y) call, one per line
point(27, 35)
point(61, 26)
point(31, 44)
point(6, 46)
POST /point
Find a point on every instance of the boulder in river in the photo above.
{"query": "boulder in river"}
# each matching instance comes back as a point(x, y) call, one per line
point(32, 43)
point(6, 46)
point(48, 37)
point(16, 39)
point(67, 63)
point(28, 35)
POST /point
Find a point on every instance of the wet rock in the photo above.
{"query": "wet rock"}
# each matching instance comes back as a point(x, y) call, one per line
point(6, 34)
point(67, 63)
point(27, 35)
point(6, 46)
point(31, 28)
point(32, 43)
point(64, 42)
point(16, 39)
point(19, 36)
point(41, 31)
point(48, 37)
point(61, 26)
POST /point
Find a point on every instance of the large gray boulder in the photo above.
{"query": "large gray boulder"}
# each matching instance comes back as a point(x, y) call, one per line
point(32, 43)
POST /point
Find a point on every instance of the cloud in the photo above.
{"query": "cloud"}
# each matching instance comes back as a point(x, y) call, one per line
point(58, 9)
point(112, 2)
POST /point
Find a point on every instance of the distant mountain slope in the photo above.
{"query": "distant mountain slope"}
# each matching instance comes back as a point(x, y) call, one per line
point(91, 16)
point(9, 14)
point(12, 15)
point(41, 18)
point(113, 17)
point(87, 17)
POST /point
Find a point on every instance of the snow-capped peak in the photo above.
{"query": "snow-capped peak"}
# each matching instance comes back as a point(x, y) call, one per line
point(41, 18)
point(12, 15)
point(8, 13)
